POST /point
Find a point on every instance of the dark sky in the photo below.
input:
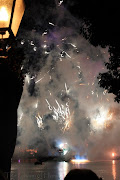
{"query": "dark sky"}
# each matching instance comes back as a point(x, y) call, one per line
point(103, 16)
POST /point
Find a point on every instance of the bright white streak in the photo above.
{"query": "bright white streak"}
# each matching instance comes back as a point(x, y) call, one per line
point(39, 80)
point(39, 121)
point(44, 33)
point(27, 78)
point(67, 90)
point(51, 24)
point(72, 45)
point(36, 104)
point(63, 51)
point(79, 161)
point(60, 3)
point(42, 77)
point(61, 112)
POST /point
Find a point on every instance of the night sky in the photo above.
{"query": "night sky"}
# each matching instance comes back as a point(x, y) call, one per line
point(66, 44)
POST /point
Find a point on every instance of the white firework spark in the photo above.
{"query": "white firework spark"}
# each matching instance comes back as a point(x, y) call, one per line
point(101, 119)
point(66, 89)
point(61, 114)
point(36, 104)
point(39, 122)
point(51, 24)
point(27, 78)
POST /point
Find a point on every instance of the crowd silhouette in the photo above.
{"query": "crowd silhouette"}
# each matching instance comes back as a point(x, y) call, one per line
point(81, 174)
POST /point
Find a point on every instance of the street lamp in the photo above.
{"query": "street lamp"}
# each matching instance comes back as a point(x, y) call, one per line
point(11, 12)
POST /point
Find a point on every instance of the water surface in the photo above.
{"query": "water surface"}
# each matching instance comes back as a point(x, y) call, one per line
point(108, 170)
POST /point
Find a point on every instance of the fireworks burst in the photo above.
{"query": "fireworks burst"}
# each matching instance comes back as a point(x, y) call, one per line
point(63, 59)
point(101, 120)
point(61, 114)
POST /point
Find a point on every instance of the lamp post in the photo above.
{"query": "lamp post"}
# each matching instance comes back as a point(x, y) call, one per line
point(11, 12)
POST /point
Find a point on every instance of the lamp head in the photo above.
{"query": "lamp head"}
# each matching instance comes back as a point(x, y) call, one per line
point(11, 13)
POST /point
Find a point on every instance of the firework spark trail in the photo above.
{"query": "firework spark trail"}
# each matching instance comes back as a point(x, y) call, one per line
point(73, 45)
point(67, 89)
point(43, 76)
point(61, 114)
point(40, 79)
point(52, 24)
point(82, 84)
point(49, 106)
point(63, 52)
point(39, 122)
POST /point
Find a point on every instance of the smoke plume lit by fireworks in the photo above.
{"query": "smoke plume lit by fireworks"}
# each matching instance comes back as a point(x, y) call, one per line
point(62, 99)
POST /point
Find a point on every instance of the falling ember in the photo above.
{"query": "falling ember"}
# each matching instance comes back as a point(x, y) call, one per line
point(82, 84)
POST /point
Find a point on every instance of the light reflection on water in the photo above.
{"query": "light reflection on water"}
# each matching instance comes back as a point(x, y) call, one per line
point(108, 170)
point(114, 169)
point(63, 170)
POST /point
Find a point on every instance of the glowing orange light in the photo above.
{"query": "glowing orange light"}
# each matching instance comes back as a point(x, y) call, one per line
point(82, 84)
point(114, 170)
point(113, 154)
point(113, 161)
point(79, 161)
point(3, 14)
point(31, 151)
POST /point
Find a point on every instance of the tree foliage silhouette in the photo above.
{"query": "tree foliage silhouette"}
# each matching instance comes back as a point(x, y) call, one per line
point(110, 80)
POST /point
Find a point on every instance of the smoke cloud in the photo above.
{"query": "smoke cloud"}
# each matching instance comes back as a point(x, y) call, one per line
point(62, 100)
